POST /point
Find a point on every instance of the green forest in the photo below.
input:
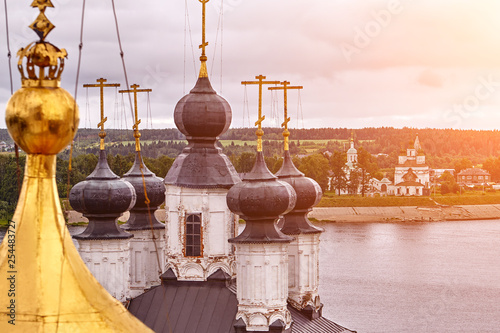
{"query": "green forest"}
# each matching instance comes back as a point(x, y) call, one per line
point(319, 153)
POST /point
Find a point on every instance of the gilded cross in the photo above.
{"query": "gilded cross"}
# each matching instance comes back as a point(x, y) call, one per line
point(42, 4)
point(204, 44)
point(137, 121)
point(260, 81)
point(285, 88)
point(101, 85)
point(42, 26)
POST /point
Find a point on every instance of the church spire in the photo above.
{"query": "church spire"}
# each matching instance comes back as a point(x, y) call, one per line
point(54, 290)
point(260, 199)
point(417, 145)
point(202, 116)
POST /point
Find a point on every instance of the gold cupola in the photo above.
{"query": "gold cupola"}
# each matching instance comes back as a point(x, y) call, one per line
point(49, 287)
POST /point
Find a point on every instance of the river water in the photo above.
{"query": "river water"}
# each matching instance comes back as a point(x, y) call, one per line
point(411, 277)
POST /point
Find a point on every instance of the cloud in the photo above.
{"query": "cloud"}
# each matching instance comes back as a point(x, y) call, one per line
point(444, 45)
point(430, 79)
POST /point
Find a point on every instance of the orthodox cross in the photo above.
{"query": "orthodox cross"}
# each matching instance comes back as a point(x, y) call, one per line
point(285, 87)
point(204, 44)
point(258, 123)
point(137, 135)
point(101, 85)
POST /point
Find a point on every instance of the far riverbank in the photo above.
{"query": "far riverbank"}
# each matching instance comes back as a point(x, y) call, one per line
point(406, 213)
point(376, 214)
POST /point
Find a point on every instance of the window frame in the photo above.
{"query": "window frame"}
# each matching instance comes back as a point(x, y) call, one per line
point(189, 250)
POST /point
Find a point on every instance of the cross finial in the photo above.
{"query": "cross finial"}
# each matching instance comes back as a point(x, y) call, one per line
point(285, 88)
point(101, 85)
point(260, 81)
point(137, 121)
point(204, 44)
point(42, 26)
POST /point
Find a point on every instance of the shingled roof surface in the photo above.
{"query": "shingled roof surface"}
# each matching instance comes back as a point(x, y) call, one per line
point(205, 307)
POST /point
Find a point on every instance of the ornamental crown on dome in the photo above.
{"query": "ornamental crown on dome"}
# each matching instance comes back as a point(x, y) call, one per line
point(41, 54)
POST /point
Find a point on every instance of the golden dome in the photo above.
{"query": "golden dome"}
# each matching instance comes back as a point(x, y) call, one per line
point(42, 120)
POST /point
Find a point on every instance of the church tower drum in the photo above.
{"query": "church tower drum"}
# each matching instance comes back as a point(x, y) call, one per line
point(261, 248)
point(198, 222)
point(303, 251)
point(54, 289)
point(102, 197)
point(147, 246)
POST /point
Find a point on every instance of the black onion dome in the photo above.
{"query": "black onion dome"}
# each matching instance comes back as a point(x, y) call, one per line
point(202, 116)
point(155, 189)
point(102, 197)
point(202, 113)
point(260, 199)
point(308, 195)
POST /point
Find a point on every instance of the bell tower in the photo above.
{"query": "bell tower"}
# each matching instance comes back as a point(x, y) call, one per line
point(198, 221)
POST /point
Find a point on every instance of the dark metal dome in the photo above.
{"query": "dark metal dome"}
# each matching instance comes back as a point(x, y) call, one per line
point(308, 195)
point(202, 113)
point(102, 197)
point(155, 189)
point(260, 199)
point(202, 116)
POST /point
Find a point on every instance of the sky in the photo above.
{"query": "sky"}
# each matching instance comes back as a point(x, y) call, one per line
point(362, 63)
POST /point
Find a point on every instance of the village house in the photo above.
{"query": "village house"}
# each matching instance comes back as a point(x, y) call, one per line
point(473, 176)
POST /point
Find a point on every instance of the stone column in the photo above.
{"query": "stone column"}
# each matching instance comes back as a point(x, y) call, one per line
point(108, 261)
point(262, 250)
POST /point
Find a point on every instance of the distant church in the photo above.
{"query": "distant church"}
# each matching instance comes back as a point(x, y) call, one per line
point(350, 165)
point(411, 174)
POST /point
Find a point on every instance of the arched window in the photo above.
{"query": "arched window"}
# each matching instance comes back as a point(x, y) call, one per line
point(384, 188)
point(193, 235)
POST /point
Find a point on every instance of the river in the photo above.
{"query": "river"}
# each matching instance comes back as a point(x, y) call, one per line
point(411, 277)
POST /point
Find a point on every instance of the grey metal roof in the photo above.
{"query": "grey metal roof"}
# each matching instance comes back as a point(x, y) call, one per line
point(187, 306)
point(205, 307)
point(302, 324)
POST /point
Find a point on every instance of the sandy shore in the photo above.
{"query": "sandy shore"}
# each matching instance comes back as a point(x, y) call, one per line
point(375, 214)
point(409, 213)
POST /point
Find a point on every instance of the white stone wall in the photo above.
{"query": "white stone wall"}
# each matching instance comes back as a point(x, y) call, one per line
point(421, 172)
point(144, 270)
point(218, 224)
point(408, 190)
point(262, 284)
point(108, 261)
point(303, 271)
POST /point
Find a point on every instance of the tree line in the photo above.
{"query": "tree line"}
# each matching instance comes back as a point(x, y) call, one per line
point(442, 146)
point(314, 166)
